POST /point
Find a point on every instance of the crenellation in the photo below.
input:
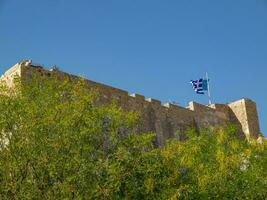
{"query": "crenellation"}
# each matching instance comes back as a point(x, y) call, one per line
point(165, 120)
point(194, 106)
point(175, 108)
point(138, 96)
point(169, 105)
point(155, 101)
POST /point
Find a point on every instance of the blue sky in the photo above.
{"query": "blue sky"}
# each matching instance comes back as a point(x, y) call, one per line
point(151, 47)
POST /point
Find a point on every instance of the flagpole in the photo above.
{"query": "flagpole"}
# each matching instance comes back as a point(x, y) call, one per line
point(208, 81)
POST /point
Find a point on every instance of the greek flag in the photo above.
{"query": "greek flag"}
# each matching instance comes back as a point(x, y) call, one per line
point(200, 85)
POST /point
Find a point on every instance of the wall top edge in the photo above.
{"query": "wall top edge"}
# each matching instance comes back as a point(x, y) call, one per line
point(28, 63)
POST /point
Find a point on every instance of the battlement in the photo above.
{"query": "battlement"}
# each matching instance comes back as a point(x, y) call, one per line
point(164, 119)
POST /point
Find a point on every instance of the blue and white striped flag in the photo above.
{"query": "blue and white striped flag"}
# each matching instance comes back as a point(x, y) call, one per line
point(200, 85)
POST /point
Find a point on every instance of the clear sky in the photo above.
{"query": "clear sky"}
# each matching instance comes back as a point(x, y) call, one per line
point(151, 47)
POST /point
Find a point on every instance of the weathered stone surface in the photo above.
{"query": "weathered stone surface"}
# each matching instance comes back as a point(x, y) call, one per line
point(246, 112)
point(165, 119)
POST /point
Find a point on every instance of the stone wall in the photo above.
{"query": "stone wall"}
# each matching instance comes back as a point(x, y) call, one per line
point(9, 75)
point(164, 119)
point(245, 111)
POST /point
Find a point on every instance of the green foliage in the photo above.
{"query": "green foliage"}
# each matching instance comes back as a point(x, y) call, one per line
point(219, 165)
point(56, 142)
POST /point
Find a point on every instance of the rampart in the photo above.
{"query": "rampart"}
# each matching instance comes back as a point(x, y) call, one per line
point(163, 119)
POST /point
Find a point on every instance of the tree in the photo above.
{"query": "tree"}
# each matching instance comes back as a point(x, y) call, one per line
point(57, 143)
point(217, 164)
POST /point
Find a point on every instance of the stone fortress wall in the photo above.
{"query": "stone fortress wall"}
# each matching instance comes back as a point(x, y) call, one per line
point(163, 119)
